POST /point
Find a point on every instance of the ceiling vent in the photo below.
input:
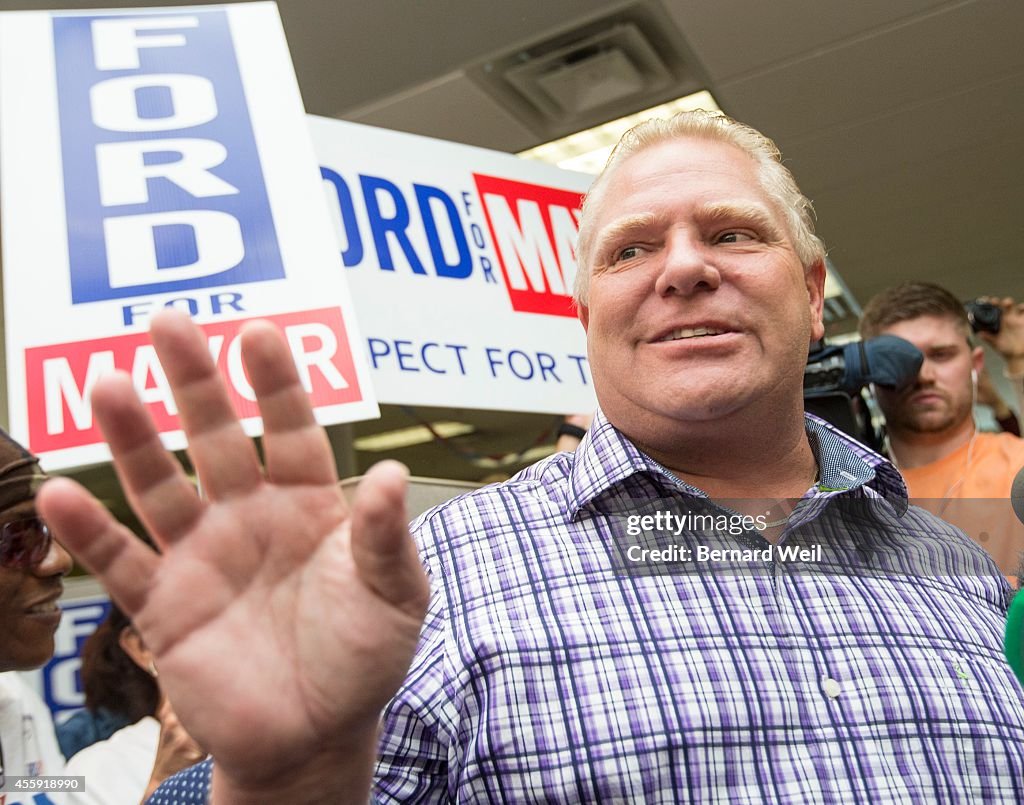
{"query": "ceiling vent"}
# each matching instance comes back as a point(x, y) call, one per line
point(592, 74)
point(604, 69)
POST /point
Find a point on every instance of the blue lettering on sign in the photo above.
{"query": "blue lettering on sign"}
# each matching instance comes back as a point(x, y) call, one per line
point(62, 683)
point(383, 225)
point(391, 218)
point(463, 267)
point(440, 359)
point(353, 254)
point(162, 181)
point(522, 365)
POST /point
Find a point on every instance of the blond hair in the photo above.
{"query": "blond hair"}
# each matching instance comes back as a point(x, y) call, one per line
point(776, 181)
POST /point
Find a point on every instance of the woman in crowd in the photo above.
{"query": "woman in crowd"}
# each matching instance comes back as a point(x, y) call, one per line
point(119, 677)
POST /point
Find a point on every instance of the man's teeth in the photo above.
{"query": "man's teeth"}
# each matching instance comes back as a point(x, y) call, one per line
point(44, 609)
point(694, 333)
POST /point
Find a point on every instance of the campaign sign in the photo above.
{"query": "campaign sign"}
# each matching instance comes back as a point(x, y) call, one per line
point(462, 263)
point(59, 374)
point(160, 158)
point(130, 178)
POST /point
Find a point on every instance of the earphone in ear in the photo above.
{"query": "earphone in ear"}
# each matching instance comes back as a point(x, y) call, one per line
point(974, 376)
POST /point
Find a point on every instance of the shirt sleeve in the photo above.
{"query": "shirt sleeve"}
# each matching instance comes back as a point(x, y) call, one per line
point(190, 786)
point(412, 763)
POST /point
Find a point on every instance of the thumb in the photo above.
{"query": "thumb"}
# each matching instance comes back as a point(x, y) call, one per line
point(384, 554)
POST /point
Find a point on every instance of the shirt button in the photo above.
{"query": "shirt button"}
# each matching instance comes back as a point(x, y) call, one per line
point(831, 687)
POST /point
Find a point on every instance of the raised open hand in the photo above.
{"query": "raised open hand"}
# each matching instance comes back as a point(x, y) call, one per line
point(281, 621)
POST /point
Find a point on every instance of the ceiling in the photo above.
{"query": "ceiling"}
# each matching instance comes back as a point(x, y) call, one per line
point(902, 119)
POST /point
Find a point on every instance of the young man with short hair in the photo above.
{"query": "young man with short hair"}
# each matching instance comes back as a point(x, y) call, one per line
point(950, 467)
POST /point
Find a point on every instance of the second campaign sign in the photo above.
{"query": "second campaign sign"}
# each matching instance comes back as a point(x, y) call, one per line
point(462, 261)
point(149, 159)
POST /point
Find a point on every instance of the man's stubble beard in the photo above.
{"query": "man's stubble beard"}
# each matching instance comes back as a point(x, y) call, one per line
point(925, 422)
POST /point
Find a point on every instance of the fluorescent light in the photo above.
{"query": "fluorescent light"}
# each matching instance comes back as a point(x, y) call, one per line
point(588, 150)
point(832, 287)
point(514, 459)
point(407, 437)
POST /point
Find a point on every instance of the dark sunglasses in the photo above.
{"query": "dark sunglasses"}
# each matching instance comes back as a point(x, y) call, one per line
point(24, 543)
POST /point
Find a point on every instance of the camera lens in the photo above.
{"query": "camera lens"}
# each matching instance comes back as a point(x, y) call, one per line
point(983, 316)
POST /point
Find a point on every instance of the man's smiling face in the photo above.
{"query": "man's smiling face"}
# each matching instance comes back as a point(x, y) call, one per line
point(28, 601)
point(698, 304)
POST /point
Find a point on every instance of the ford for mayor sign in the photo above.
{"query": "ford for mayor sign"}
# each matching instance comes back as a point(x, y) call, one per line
point(154, 158)
point(461, 261)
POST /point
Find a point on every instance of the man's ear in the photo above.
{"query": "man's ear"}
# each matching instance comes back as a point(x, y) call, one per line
point(814, 278)
point(584, 313)
point(978, 359)
point(131, 642)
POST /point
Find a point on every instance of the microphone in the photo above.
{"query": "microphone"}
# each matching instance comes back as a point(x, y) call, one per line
point(886, 360)
point(1017, 495)
point(1013, 644)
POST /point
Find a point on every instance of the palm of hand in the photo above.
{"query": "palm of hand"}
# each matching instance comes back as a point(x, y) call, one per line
point(287, 607)
point(280, 621)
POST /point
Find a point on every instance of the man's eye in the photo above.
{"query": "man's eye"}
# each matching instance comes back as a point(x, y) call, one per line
point(734, 237)
point(628, 253)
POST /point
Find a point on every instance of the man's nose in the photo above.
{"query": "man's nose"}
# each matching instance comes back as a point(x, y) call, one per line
point(57, 562)
point(686, 266)
point(926, 375)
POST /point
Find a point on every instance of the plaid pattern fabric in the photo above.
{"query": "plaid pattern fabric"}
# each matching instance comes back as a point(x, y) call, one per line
point(543, 674)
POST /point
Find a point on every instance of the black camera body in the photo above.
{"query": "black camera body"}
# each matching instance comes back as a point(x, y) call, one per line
point(836, 380)
point(984, 316)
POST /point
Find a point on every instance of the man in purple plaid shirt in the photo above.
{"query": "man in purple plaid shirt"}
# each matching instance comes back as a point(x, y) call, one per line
point(833, 644)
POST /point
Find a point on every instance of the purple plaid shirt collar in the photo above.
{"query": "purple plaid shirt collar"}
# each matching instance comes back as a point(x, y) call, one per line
point(605, 458)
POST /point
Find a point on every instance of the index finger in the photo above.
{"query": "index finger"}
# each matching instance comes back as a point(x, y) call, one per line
point(123, 563)
point(224, 457)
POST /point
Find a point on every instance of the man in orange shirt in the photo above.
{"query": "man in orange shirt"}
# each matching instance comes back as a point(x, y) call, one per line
point(950, 467)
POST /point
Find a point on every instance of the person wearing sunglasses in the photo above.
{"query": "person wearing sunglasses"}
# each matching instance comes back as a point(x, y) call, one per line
point(32, 566)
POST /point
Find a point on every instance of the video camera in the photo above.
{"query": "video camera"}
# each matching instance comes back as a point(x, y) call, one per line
point(836, 378)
